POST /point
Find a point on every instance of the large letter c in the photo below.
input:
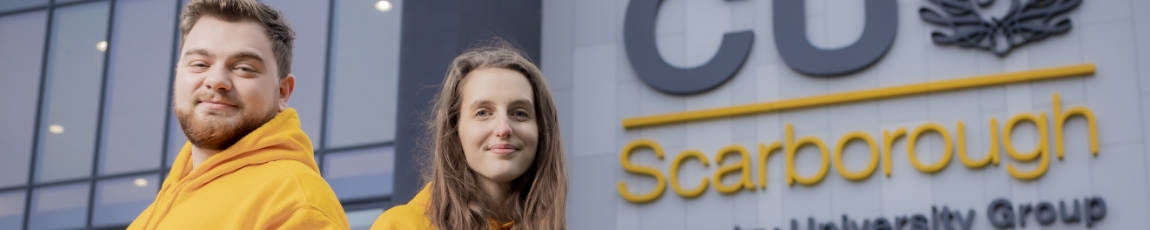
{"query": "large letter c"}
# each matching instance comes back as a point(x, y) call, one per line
point(639, 37)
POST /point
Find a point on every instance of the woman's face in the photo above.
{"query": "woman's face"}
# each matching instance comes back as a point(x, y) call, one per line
point(497, 123)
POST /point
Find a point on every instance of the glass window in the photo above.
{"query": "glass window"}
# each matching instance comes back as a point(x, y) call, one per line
point(360, 173)
point(136, 98)
point(21, 51)
point(309, 19)
point(364, 73)
point(59, 207)
point(12, 209)
point(119, 201)
point(6, 5)
point(362, 219)
point(66, 1)
point(72, 97)
point(176, 139)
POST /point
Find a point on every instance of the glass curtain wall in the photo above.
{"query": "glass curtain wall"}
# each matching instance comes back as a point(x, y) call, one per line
point(88, 135)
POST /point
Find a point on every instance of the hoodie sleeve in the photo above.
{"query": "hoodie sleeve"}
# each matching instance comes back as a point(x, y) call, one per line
point(307, 217)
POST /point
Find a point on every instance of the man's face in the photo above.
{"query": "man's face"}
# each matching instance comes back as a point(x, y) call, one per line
point(227, 83)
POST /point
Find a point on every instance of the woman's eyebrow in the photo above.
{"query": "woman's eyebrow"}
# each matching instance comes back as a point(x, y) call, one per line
point(522, 101)
point(479, 102)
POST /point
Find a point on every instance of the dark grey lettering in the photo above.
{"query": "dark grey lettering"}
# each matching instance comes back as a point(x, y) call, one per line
point(919, 222)
point(639, 37)
point(1044, 213)
point(967, 223)
point(790, 21)
point(1000, 213)
point(1023, 210)
point(1070, 218)
point(1095, 210)
point(882, 224)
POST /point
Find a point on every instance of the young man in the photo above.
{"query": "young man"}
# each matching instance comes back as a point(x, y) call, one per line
point(247, 165)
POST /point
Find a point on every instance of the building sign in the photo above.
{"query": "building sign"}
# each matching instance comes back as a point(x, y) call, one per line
point(1001, 214)
point(1033, 20)
point(1025, 21)
point(790, 38)
point(880, 152)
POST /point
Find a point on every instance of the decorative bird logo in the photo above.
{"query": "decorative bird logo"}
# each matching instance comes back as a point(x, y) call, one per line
point(1023, 22)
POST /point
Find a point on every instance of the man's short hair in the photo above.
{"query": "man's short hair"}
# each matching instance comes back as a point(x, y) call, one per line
point(275, 26)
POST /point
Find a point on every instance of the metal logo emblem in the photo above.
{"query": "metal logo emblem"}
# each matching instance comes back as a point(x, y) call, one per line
point(1023, 22)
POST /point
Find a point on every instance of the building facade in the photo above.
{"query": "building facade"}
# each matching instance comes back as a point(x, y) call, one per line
point(835, 115)
point(676, 114)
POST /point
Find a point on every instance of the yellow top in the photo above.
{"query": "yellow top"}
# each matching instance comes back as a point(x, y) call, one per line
point(267, 180)
point(413, 215)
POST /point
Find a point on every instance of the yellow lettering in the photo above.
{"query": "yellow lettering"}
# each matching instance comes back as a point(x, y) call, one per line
point(946, 153)
point(888, 139)
point(1041, 150)
point(792, 148)
point(991, 156)
point(1060, 120)
point(678, 161)
point(625, 159)
point(866, 172)
point(791, 145)
point(764, 152)
point(744, 166)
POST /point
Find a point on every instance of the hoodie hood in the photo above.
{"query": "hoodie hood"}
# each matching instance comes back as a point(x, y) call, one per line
point(278, 139)
point(282, 176)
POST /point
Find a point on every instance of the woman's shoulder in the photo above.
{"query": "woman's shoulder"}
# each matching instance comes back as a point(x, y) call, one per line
point(403, 217)
point(405, 212)
point(410, 216)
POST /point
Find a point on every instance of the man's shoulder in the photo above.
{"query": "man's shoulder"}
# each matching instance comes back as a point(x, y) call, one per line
point(295, 182)
point(282, 171)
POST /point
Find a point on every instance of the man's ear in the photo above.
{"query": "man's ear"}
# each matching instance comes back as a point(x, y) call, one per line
point(287, 85)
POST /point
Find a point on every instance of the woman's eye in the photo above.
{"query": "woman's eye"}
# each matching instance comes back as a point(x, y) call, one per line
point(520, 113)
point(482, 113)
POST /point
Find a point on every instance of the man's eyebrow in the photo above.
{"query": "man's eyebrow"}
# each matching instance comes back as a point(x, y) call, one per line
point(247, 55)
point(238, 55)
point(201, 52)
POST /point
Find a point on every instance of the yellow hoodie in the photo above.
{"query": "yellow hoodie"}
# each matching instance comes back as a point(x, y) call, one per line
point(413, 215)
point(267, 180)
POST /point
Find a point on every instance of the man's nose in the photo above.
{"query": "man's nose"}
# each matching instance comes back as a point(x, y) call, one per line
point(219, 80)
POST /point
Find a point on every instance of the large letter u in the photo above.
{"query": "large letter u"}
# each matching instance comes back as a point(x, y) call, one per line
point(797, 51)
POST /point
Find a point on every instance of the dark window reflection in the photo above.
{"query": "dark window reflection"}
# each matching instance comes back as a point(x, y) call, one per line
point(119, 201)
point(364, 73)
point(72, 94)
point(21, 51)
point(360, 173)
point(59, 207)
point(12, 209)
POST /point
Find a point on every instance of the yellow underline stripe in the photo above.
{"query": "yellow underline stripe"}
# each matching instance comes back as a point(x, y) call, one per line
point(868, 94)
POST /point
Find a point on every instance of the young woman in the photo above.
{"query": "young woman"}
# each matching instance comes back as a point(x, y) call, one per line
point(496, 161)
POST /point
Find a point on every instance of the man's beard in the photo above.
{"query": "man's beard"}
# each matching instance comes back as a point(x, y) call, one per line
point(219, 133)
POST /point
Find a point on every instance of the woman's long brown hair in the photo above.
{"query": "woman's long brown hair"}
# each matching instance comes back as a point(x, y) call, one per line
point(538, 198)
